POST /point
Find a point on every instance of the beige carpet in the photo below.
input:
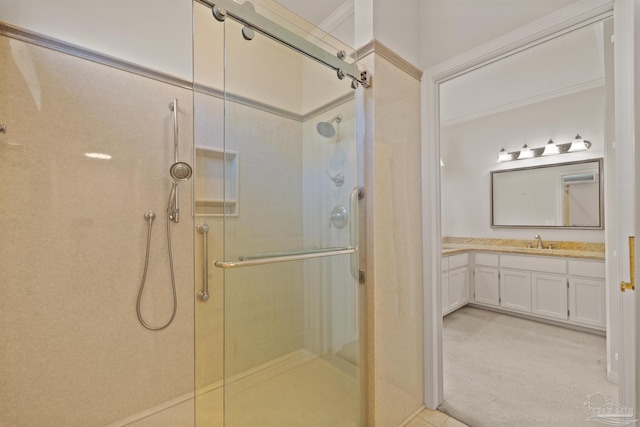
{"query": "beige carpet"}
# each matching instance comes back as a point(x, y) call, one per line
point(501, 370)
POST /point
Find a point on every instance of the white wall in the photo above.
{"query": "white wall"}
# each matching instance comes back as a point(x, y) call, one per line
point(470, 150)
point(451, 27)
point(394, 23)
point(153, 33)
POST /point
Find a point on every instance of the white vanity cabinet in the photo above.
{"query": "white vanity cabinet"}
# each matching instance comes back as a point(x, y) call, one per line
point(556, 288)
point(549, 295)
point(455, 282)
point(587, 290)
point(486, 285)
point(515, 290)
point(521, 281)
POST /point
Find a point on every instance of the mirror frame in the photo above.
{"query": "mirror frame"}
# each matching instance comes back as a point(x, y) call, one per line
point(599, 161)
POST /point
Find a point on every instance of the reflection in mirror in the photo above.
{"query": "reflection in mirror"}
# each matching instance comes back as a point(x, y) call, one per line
point(560, 195)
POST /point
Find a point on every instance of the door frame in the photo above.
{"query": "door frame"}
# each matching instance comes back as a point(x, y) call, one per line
point(625, 23)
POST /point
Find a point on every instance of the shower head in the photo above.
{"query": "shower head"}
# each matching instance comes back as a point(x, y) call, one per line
point(326, 129)
point(180, 171)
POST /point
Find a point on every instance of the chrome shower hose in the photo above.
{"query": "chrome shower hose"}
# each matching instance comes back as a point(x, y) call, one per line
point(150, 216)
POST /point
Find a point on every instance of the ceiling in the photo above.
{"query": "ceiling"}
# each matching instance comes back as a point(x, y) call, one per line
point(334, 17)
point(314, 11)
point(566, 64)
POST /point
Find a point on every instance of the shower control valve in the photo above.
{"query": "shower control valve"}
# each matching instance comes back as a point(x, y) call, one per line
point(339, 217)
point(338, 179)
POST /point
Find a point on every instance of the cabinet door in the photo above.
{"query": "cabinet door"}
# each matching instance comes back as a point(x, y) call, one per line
point(445, 293)
point(515, 290)
point(487, 288)
point(549, 295)
point(587, 301)
point(458, 288)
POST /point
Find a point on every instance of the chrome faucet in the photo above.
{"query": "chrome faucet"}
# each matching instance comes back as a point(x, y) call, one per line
point(539, 241)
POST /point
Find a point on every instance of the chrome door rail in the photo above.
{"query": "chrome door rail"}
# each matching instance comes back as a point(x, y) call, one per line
point(251, 260)
point(250, 18)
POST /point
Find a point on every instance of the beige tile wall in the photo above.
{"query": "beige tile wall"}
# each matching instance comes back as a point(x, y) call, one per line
point(73, 241)
point(71, 276)
point(260, 313)
point(394, 246)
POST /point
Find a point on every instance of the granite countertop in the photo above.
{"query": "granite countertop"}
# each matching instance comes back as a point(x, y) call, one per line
point(593, 251)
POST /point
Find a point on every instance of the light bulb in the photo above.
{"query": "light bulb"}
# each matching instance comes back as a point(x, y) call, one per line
point(577, 144)
point(525, 153)
point(503, 156)
point(550, 148)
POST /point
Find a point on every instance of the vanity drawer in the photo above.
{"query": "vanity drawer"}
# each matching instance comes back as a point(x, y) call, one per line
point(459, 260)
point(490, 260)
point(534, 263)
point(587, 268)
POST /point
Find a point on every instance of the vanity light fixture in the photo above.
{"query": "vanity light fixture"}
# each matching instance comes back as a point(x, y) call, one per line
point(525, 153)
point(550, 148)
point(578, 144)
point(503, 156)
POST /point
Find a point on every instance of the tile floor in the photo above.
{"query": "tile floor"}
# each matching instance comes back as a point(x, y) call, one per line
point(429, 418)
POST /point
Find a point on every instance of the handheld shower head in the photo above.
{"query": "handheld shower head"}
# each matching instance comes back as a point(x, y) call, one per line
point(180, 171)
point(326, 129)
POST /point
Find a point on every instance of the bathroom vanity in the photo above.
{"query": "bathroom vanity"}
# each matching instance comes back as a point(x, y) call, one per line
point(565, 286)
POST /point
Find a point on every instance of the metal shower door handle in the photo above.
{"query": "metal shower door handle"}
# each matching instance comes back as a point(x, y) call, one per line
point(631, 284)
point(203, 294)
point(264, 259)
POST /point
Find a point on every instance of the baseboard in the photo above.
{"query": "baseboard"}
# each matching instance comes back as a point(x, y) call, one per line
point(248, 377)
point(539, 319)
point(165, 406)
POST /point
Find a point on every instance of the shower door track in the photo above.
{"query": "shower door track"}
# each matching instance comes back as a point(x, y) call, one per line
point(248, 17)
point(248, 261)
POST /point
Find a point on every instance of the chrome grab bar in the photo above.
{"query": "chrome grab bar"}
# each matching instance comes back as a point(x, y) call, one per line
point(203, 295)
point(251, 260)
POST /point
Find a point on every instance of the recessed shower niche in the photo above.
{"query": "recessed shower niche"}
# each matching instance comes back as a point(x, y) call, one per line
point(211, 166)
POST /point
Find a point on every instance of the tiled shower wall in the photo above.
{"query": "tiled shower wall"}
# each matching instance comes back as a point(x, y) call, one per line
point(73, 245)
point(74, 255)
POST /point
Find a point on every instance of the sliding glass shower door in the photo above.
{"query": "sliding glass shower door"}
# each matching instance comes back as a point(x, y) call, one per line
point(276, 182)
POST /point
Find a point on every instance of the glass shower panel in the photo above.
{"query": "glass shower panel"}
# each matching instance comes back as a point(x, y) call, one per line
point(291, 340)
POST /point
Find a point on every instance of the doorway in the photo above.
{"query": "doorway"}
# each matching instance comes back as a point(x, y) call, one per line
point(433, 220)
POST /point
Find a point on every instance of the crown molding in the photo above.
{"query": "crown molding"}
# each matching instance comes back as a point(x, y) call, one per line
point(338, 16)
point(574, 16)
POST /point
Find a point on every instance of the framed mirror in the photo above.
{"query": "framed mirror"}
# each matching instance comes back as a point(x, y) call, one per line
point(561, 195)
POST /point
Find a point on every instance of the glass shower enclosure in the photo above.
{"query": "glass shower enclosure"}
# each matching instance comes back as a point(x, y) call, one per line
point(276, 201)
